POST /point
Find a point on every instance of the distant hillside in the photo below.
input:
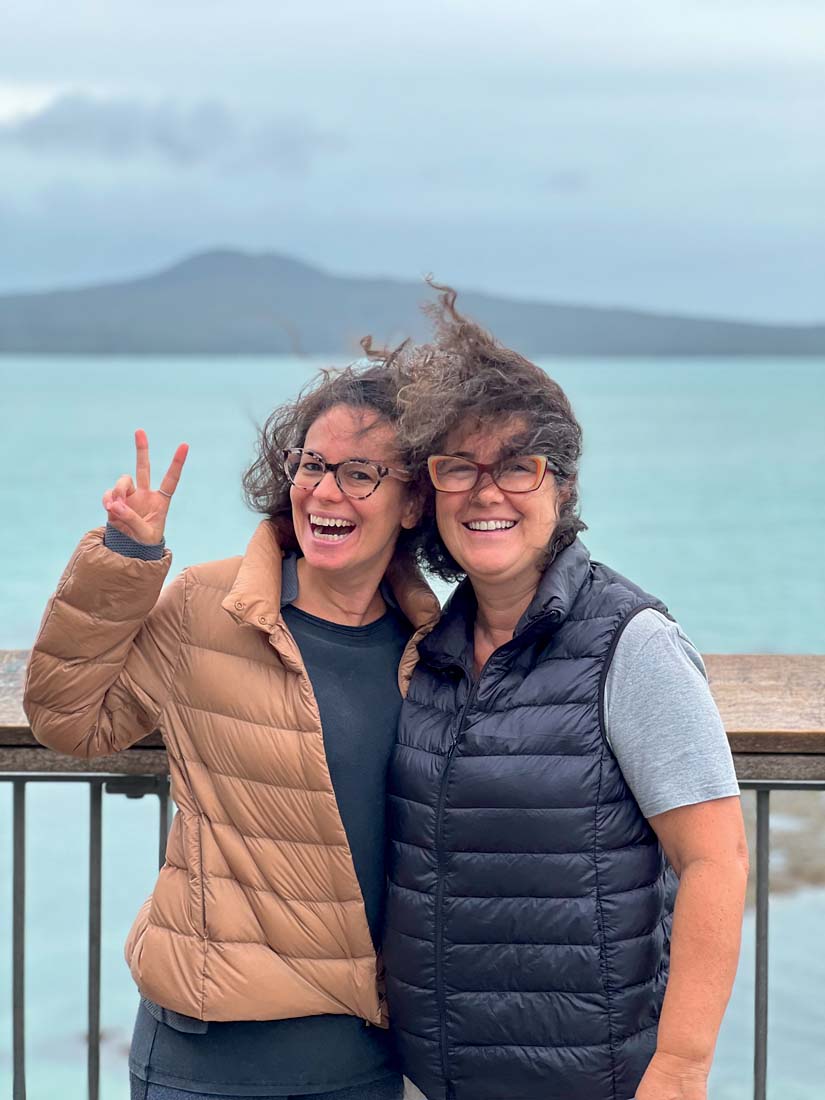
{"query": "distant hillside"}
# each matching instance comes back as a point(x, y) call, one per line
point(227, 302)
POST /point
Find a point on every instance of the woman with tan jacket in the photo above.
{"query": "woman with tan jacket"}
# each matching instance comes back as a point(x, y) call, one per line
point(273, 678)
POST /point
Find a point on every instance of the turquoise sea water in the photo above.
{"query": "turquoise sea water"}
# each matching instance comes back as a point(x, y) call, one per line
point(702, 480)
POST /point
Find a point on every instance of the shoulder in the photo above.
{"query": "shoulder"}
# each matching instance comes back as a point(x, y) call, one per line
point(649, 639)
point(609, 593)
point(219, 575)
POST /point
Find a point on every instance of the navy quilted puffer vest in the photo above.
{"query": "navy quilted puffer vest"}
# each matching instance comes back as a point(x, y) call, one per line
point(529, 903)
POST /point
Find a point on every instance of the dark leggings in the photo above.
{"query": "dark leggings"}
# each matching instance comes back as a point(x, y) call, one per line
point(388, 1088)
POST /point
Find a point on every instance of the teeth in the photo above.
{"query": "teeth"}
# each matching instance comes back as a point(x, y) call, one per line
point(328, 521)
point(329, 536)
point(491, 524)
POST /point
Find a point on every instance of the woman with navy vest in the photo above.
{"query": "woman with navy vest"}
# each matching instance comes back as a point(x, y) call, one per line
point(568, 862)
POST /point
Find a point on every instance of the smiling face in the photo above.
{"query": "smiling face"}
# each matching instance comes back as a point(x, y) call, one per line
point(337, 532)
point(496, 537)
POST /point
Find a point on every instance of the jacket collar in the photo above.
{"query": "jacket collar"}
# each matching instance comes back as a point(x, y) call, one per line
point(451, 642)
point(255, 596)
point(263, 585)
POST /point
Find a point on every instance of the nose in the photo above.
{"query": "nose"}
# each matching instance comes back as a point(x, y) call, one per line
point(328, 488)
point(486, 490)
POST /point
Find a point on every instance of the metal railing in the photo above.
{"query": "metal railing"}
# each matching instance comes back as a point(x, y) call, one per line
point(133, 786)
point(762, 855)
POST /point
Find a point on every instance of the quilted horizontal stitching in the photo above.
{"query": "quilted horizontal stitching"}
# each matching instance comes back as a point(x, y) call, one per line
point(537, 755)
point(270, 664)
point(245, 721)
point(587, 704)
point(479, 852)
point(590, 618)
point(530, 943)
point(249, 779)
point(278, 894)
point(503, 943)
point(415, 802)
point(212, 942)
point(484, 897)
point(418, 748)
point(638, 985)
point(631, 889)
point(574, 657)
point(517, 897)
point(65, 713)
point(546, 1046)
point(575, 943)
point(527, 809)
point(224, 589)
point(273, 839)
point(528, 992)
point(79, 662)
point(95, 616)
point(510, 809)
point(549, 1046)
point(429, 705)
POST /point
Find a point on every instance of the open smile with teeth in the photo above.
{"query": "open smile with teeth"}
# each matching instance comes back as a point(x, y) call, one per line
point(330, 528)
point(490, 524)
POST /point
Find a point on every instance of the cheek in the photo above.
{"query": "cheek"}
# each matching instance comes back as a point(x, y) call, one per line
point(545, 515)
point(381, 518)
point(445, 516)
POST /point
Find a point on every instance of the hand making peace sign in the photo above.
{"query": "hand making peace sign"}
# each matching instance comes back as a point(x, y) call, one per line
point(136, 509)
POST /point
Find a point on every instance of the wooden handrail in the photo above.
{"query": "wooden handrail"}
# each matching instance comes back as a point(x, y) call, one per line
point(772, 705)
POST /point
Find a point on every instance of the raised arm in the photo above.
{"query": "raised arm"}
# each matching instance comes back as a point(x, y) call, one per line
point(102, 666)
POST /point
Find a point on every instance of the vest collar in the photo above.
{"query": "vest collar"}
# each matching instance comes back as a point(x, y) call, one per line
point(558, 588)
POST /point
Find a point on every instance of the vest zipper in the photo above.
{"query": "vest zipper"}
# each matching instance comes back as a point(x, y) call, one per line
point(441, 997)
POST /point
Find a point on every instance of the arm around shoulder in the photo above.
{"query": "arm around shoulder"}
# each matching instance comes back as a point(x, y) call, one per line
point(101, 669)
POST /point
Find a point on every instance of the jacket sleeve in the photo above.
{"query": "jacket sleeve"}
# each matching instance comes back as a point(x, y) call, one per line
point(103, 664)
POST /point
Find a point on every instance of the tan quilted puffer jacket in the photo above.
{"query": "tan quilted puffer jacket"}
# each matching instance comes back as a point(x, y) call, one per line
point(257, 912)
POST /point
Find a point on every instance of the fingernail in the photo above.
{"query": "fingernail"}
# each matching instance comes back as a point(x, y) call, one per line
point(117, 505)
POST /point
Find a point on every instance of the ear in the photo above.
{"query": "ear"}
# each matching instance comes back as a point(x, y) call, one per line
point(411, 516)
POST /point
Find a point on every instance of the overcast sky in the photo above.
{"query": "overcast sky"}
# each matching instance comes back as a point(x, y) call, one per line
point(667, 154)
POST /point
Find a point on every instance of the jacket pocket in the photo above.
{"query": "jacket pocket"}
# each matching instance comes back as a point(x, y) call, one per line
point(193, 847)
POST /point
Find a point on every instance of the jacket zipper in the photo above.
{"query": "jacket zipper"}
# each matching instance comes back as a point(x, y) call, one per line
point(441, 996)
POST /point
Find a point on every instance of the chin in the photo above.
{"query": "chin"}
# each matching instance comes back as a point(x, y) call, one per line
point(329, 555)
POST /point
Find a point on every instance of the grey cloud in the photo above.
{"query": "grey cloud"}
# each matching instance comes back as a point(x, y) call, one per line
point(82, 126)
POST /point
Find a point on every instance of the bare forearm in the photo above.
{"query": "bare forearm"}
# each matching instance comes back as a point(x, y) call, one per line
point(704, 954)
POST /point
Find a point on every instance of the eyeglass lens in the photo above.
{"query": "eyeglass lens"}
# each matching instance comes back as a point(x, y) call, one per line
point(356, 479)
point(520, 474)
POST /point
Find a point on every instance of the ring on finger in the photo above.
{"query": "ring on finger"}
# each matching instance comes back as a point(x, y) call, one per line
point(163, 493)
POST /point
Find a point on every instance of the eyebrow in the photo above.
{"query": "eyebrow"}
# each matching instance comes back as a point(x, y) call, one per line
point(349, 458)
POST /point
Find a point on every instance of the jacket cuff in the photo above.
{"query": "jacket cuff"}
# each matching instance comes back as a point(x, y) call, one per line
point(130, 548)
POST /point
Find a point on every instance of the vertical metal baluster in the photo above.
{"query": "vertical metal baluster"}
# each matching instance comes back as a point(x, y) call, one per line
point(19, 941)
point(163, 830)
point(95, 900)
point(760, 1053)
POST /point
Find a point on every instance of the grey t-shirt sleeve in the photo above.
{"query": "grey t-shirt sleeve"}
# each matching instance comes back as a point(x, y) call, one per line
point(661, 721)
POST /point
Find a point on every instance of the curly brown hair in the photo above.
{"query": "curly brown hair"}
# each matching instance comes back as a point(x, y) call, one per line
point(372, 389)
point(465, 376)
